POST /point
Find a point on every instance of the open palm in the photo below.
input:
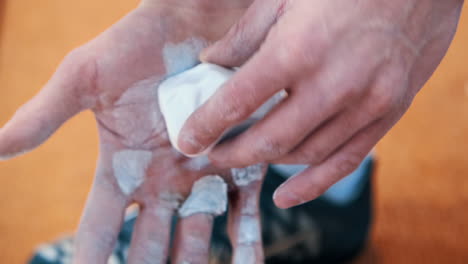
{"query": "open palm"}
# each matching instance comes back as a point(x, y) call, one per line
point(116, 75)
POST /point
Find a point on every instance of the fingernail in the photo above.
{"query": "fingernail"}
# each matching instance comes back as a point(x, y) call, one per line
point(189, 145)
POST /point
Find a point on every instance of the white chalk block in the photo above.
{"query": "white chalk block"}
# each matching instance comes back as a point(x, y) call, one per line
point(183, 94)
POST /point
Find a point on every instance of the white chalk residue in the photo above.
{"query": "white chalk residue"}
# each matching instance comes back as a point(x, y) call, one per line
point(249, 230)
point(209, 196)
point(245, 254)
point(248, 234)
point(251, 206)
point(130, 168)
point(182, 56)
point(171, 202)
point(244, 176)
point(197, 163)
point(155, 252)
point(136, 114)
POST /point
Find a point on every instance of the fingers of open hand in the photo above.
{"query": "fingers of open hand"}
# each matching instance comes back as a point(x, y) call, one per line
point(61, 98)
point(209, 199)
point(192, 239)
point(101, 220)
point(246, 231)
point(244, 223)
point(193, 233)
point(150, 241)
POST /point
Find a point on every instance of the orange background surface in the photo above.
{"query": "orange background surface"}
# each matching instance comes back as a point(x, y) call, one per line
point(421, 184)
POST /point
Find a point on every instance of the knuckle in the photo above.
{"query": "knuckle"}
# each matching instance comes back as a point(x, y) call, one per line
point(345, 88)
point(82, 67)
point(238, 41)
point(382, 102)
point(305, 47)
point(290, 53)
point(299, 156)
point(267, 149)
point(384, 95)
point(79, 61)
point(238, 34)
point(233, 112)
point(315, 156)
point(307, 155)
point(348, 93)
point(318, 189)
point(233, 106)
point(349, 163)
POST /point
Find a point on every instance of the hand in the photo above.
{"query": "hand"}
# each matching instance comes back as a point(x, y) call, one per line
point(116, 76)
point(351, 68)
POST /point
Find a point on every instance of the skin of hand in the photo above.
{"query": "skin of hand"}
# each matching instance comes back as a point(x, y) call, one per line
point(351, 68)
point(116, 75)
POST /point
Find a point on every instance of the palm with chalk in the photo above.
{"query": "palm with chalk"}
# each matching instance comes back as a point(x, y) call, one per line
point(116, 76)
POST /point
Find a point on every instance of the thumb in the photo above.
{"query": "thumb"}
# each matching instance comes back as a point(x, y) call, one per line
point(60, 99)
point(246, 36)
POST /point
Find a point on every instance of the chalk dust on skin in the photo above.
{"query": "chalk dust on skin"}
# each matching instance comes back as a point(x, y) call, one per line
point(197, 163)
point(158, 253)
point(182, 56)
point(245, 176)
point(172, 202)
point(245, 254)
point(208, 196)
point(249, 231)
point(136, 114)
point(130, 168)
point(251, 206)
point(248, 234)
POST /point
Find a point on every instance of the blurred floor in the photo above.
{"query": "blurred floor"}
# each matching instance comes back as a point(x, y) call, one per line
point(422, 181)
